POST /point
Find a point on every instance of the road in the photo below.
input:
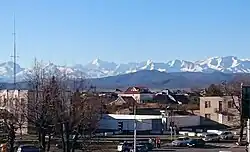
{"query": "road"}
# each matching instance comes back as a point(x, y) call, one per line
point(209, 148)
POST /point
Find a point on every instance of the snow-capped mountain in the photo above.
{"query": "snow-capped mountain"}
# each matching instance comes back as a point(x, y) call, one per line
point(98, 68)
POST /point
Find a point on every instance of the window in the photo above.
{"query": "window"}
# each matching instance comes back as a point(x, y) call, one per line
point(5, 102)
point(22, 102)
point(229, 118)
point(207, 116)
point(220, 106)
point(207, 104)
point(230, 104)
point(22, 117)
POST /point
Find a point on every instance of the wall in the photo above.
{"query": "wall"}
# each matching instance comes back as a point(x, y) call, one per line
point(110, 123)
point(140, 98)
point(185, 121)
point(145, 122)
point(137, 97)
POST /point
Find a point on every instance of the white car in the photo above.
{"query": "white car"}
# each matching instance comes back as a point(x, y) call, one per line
point(211, 137)
point(181, 141)
point(227, 135)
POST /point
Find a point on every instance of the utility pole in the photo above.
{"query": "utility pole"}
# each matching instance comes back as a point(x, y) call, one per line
point(248, 119)
point(134, 128)
point(245, 112)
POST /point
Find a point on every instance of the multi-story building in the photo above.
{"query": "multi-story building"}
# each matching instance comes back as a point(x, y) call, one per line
point(140, 94)
point(219, 110)
point(14, 102)
point(22, 105)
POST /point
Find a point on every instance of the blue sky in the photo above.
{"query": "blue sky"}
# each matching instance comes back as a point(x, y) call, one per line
point(78, 31)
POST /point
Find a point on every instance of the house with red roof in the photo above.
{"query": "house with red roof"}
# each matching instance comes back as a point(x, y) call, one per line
point(140, 94)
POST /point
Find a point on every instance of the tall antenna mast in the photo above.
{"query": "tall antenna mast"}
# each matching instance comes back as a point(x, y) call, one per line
point(14, 52)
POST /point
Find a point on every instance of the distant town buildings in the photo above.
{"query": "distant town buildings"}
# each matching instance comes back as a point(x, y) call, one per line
point(118, 105)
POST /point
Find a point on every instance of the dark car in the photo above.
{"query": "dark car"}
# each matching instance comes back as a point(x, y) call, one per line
point(148, 146)
point(76, 145)
point(25, 148)
point(196, 143)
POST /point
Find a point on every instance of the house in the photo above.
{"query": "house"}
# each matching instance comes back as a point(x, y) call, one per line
point(140, 94)
point(168, 97)
point(219, 110)
point(123, 100)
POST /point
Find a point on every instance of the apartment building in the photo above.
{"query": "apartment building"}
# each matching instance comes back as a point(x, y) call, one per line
point(219, 110)
point(19, 104)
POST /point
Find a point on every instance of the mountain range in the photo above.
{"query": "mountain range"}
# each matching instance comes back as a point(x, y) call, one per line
point(99, 69)
point(171, 74)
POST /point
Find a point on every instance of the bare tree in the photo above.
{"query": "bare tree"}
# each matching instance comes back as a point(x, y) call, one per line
point(40, 107)
point(56, 108)
point(10, 129)
point(78, 118)
point(233, 89)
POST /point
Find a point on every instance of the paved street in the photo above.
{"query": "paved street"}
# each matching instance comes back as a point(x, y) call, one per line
point(210, 147)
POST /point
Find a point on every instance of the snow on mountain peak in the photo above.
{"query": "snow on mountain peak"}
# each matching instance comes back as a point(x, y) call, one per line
point(96, 62)
point(98, 68)
point(149, 62)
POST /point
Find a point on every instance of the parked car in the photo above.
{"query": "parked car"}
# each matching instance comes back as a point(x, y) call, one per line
point(26, 148)
point(148, 146)
point(125, 147)
point(77, 145)
point(211, 137)
point(129, 147)
point(140, 148)
point(196, 143)
point(181, 141)
point(227, 135)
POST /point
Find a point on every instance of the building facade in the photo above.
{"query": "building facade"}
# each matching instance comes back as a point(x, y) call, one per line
point(151, 123)
point(22, 105)
point(220, 110)
point(15, 103)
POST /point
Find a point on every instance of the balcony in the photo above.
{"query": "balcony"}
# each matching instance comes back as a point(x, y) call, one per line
point(218, 110)
point(223, 111)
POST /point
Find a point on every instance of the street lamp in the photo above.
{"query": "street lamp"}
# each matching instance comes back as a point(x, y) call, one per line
point(134, 127)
